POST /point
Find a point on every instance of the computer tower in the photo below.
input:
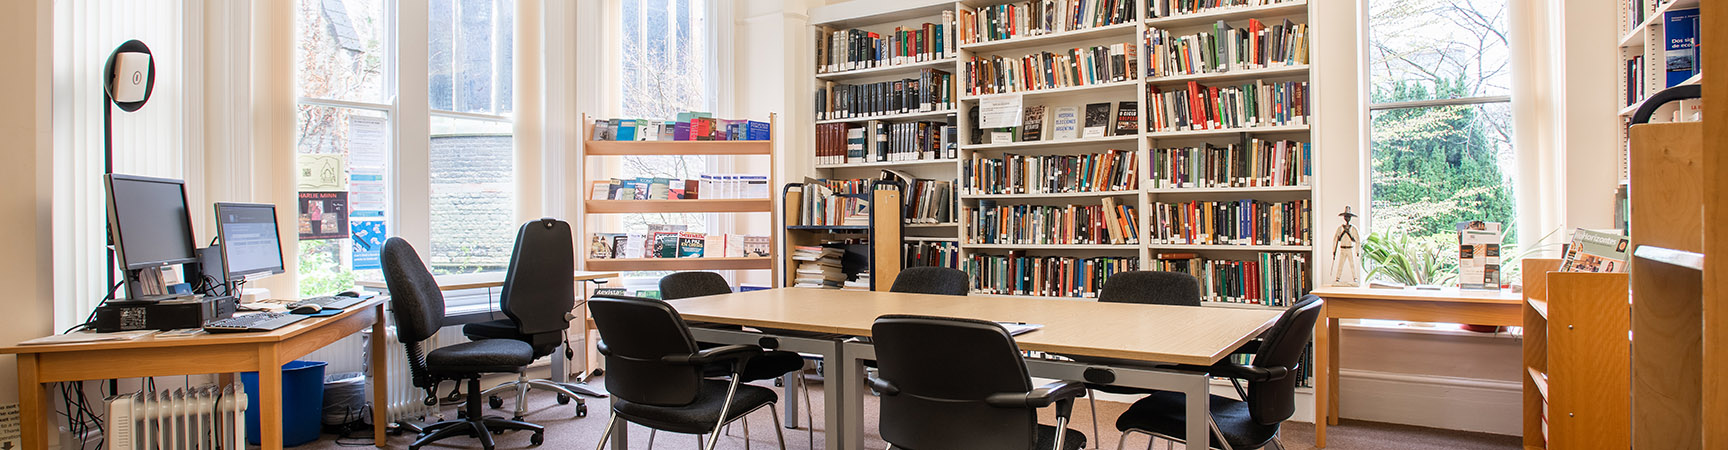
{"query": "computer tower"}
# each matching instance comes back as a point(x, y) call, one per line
point(163, 315)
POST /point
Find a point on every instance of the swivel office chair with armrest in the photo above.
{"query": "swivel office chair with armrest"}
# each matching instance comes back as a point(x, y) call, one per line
point(417, 310)
point(538, 298)
point(1143, 287)
point(931, 280)
point(1251, 422)
point(770, 364)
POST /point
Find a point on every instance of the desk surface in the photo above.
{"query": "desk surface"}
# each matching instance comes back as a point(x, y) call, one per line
point(1175, 334)
point(1449, 294)
point(484, 280)
point(278, 335)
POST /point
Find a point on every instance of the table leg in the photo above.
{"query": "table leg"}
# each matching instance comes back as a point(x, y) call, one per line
point(788, 381)
point(269, 398)
point(1199, 397)
point(850, 380)
point(1333, 338)
point(1322, 376)
point(33, 408)
point(834, 399)
point(375, 379)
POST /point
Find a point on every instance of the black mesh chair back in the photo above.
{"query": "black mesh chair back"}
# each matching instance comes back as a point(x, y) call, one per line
point(693, 284)
point(931, 280)
point(637, 334)
point(1152, 288)
point(538, 293)
point(416, 304)
point(944, 368)
point(1271, 402)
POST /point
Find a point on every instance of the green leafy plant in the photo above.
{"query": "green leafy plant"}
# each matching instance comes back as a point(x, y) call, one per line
point(1408, 261)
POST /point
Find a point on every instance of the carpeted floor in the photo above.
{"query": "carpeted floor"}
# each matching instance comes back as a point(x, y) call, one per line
point(564, 431)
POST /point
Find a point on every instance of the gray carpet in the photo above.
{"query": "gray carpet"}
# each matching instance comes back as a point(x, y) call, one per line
point(564, 431)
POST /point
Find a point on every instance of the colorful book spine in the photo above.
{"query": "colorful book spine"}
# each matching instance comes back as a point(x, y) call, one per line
point(1111, 170)
point(1237, 222)
point(1259, 163)
point(1044, 276)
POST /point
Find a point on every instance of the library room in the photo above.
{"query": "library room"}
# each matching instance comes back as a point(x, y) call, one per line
point(864, 224)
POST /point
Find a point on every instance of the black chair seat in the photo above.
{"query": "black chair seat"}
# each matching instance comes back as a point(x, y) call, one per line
point(1162, 413)
point(496, 329)
point(1075, 440)
point(767, 366)
point(488, 356)
point(699, 416)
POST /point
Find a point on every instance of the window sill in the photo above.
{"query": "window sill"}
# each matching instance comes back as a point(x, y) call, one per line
point(1426, 328)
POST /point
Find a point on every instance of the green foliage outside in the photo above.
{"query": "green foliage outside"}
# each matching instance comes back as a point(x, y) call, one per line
point(1436, 166)
point(320, 272)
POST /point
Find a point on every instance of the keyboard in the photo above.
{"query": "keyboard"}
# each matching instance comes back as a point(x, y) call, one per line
point(253, 322)
point(328, 302)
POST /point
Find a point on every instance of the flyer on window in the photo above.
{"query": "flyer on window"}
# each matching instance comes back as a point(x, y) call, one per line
point(1479, 255)
point(323, 215)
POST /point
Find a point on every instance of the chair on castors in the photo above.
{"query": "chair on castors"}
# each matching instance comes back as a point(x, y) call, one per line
point(931, 280)
point(655, 372)
point(770, 364)
point(1251, 422)
point(537, 298)
point(961, 383)
point(417, 307)
point(1139, 287)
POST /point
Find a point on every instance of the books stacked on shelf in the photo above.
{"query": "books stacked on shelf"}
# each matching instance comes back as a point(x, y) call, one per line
point(931, 253)
point(1044, 276)
point(1107, 223)
point(1635, 89)
point(715, 186)
point(818, 267)
point(1200, 107)
point(932, 90)
point(1235, 222)
point(855, 49)
point(666, 242)
point(687, 126)
point(1259, 163)
point(1226, 49)
point(883, 141)
point(1110, 170)
point(1081, 66)
point(1041, 17)
point(835, 202)
point(929, 201)
point(1270, 279)
point(1167, 8)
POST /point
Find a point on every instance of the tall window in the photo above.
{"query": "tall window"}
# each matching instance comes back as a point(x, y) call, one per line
point(472, 149)
point(665, 67)
point(1440, 120)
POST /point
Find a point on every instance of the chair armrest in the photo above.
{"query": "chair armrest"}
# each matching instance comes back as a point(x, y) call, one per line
point(738, 354)
point(1231, 370)
point(1039, 397)
point(887, 388)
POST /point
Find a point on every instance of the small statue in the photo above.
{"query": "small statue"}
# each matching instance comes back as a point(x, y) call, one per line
point(1344, 255)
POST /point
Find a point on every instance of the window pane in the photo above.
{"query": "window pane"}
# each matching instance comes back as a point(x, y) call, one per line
point(471, 44)
point(473, 195)
point(1433, 167)
point(1428, 49)
point(342, 164)
point(341, 50)
point(665, 58)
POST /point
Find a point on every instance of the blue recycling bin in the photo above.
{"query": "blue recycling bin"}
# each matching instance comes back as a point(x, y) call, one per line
point(302, 403)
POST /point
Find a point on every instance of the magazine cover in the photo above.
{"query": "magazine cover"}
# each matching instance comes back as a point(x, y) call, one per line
point(1596, 251)
point(1478, 255)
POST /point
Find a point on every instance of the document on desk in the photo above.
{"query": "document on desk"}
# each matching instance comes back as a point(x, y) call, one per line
point(1019, 328)
point(88, 336)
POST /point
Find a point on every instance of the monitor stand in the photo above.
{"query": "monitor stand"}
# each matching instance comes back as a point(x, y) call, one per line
point(146, 285)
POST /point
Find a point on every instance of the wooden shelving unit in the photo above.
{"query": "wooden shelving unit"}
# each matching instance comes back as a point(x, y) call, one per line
point(882, 261)
point(1668, 381)
point(1577, 366)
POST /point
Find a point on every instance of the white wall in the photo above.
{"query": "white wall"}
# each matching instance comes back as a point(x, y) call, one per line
point(25, 177)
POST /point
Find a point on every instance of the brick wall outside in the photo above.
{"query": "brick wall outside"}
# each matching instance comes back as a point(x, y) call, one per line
point(473, 208)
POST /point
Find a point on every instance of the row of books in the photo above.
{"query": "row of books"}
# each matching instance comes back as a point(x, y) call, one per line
point(879, 141)
point(1270, 279)
point(1081, 66)
point(1108, 223)
point(1634, 74)
point(1226, 49)
point(932, 90)
point(1201, 107)
point(1170, 8)
point(818, 267)
point(1235, 222)
point(1111, 170)
point(1045, 276)
point(1063, 123)
point(676, 244)
point(1041, 17)
point(1258, 163)
point(718, 186)
point(929, 201)
point(834, 203)
point(918, 253)
point(855, 49)
point(688, 126)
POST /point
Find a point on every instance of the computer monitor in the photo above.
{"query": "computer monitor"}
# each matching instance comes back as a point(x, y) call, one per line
point(151, 228)
point(251, 245)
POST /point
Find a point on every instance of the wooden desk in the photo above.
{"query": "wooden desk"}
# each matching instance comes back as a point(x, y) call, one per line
point(1450, 305)
point(265, 353)
point(1155, 333)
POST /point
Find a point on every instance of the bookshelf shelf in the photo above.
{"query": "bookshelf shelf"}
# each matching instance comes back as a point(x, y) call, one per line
point(1037, 297)
point(905, 116)
point(1245, 248)
point(1228, 131)
point(829, 227)
point(919, 162)
point(1699, 78)
point(1227, 190)
point(1227, 14)
point(932, 225)
point(1239, 305)
point(1060, 90)
point(1541, 306)
point(1540, 379)
point(853, 15)
point(1635, 38)
point(680, 206)
point(1053, 246)
point(1270, 72)
point(658, 264)
point(944, 64)
point(650, 148)
point(1126, 29)
point(1050, 143)
point(1672, 257)
point(1049, 195)
point(929, 239)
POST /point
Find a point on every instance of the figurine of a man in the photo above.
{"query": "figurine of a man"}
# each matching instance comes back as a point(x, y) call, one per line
point(1344, 253)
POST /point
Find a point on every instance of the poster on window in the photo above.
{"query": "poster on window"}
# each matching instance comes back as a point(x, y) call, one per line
point(1478, 255)
point(323, 215)
point(368, 241)
point(322, 172)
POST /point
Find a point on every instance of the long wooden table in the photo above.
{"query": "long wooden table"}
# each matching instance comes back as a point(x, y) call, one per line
point(1450, 305)
point(41, 365)
point(1149, 333)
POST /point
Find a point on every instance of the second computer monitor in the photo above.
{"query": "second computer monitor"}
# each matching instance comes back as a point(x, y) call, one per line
point(251, 246)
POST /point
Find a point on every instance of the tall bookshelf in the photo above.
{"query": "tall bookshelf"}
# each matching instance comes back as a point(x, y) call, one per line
point(1641, 36)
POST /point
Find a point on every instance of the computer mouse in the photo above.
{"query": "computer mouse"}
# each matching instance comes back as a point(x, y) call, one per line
point(307, 309)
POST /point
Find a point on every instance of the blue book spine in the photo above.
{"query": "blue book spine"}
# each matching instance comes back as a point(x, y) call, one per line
point(626, 131)
point(756, 131)
point(1680, 44)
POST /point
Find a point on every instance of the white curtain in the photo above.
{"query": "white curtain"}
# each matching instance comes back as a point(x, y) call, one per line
point(148, 142)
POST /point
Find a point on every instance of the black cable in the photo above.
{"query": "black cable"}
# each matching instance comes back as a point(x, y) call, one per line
point(90, 320)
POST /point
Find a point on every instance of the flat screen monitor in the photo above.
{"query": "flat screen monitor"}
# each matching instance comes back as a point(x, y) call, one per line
point(251, 246)
point(149, 222)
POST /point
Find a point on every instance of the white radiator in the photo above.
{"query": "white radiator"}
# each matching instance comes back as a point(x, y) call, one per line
point(406, 401)
point(196, 419)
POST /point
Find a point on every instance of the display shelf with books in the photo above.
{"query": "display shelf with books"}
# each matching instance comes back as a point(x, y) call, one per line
point(1171, 13)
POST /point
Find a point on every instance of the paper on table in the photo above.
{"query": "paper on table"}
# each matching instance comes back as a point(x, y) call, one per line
point(1019, 328)
point(87, 336)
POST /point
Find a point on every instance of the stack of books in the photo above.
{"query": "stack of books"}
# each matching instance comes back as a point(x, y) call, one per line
point(818, 267)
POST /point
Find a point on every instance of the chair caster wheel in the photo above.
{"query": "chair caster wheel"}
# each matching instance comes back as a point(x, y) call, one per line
point(779, 382)
point(497, 432)
point(495, 402)
point(516, 418)
point(563, 399)
point(460, 414)
point(536, 439)
point(582, 411)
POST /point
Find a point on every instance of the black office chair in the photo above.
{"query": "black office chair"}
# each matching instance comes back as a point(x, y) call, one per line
point(961, 383)
point(770, 364)
point(1270, 398)
point(931, 280)
point(537, 297)
point(1140, 287)
point(655, 372)
point(417, 307)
